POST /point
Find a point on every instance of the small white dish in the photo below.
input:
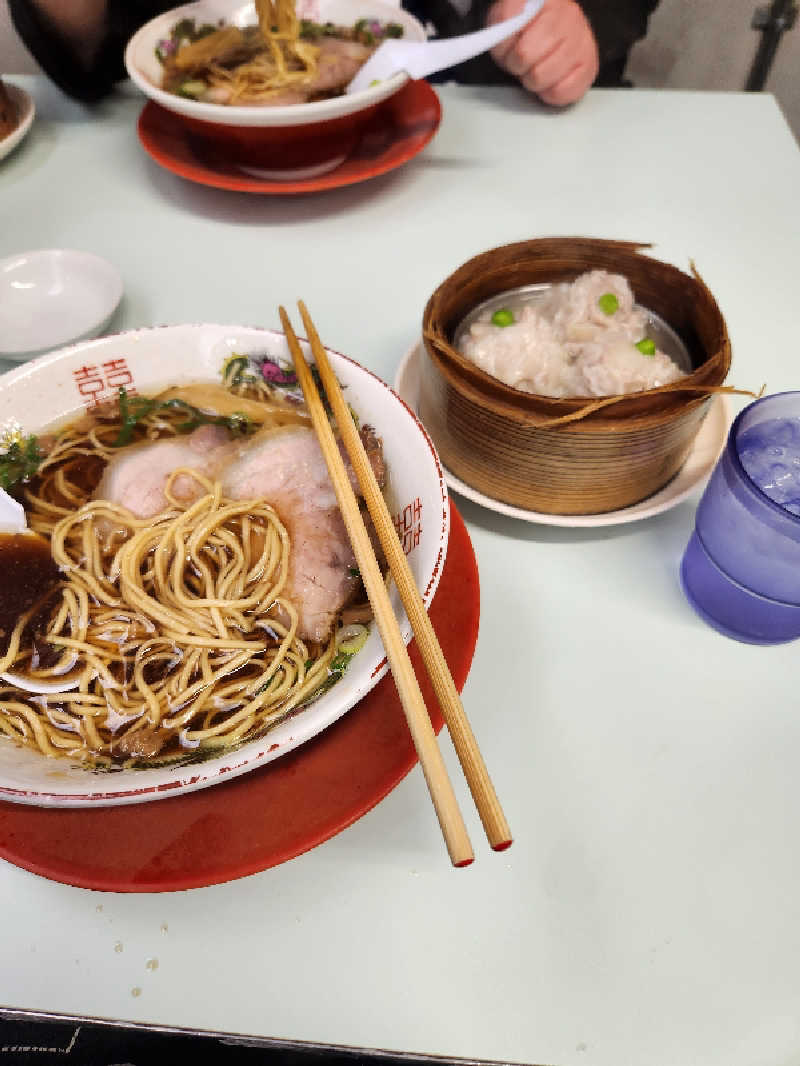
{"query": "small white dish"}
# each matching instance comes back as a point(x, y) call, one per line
point(53, 297)
point(26, 109)
point(707, 447)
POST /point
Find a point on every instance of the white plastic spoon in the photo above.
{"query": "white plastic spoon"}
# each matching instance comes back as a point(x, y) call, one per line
point(12, 520)
point(12, 515)
point(420, 58)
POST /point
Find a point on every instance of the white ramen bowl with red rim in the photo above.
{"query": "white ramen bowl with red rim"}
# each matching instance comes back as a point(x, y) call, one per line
point(63, 384)
point(292, 141)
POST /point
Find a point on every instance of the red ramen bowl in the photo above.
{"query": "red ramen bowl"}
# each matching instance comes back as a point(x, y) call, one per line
point(288, 141)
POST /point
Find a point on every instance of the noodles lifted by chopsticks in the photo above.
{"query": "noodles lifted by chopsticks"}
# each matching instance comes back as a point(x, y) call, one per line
point(248, 64)
point(281, 60)
point(277, 21)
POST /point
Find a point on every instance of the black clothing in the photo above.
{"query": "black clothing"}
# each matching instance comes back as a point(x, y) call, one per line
point(617, 25)
point(57, 60)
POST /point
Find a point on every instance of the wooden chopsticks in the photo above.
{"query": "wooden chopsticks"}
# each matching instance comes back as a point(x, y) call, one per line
point(439, 786)
point(464, 742)
point(486, 801)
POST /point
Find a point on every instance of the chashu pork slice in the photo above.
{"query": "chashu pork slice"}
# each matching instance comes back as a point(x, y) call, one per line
point(286, 468)
point(283, 466)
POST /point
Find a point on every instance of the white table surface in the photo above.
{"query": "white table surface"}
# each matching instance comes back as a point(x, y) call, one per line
point(648, 912)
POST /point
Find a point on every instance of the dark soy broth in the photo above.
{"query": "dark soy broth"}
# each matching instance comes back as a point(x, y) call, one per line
point(28, 577)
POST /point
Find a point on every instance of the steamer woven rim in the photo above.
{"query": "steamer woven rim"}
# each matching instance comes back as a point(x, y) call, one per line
point(555, 259)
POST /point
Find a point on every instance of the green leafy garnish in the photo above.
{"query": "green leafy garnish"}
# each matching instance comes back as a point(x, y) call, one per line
point(188, 30)
point(646, 346)
point(267, 684)
point(321, 390)
point(312, 31)
point(237, 423)
point(339, 662)
point(132, 409)
point(336, 669)
point(503, 317)
point(608, 303)
point(20, 461)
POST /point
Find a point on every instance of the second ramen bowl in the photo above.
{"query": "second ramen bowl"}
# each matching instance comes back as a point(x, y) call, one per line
point(289, 142)
point(574, 456)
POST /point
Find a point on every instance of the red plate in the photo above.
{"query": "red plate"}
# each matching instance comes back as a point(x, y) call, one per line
point(265, 817)
point(400, 129)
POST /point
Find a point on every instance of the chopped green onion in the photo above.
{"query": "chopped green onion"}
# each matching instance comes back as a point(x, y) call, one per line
point(646, 346)
point(351, 638)
point(309, 30)
point(608, 303)
point(193, 88)
point(503, 317)
point(184, 28)
point(235, 370)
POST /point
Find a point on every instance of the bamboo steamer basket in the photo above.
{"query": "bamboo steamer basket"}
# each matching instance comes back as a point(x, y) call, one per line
point(579, 455)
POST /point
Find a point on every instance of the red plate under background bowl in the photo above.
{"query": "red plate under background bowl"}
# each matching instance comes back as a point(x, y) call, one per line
point(396, 132)
point(293, 152)
point(289, 140)
point(273, 814)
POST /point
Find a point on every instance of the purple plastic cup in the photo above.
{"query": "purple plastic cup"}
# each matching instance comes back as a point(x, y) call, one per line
point(741, 568)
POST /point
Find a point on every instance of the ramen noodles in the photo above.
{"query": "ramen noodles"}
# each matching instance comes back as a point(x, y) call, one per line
point(195, 579)
point(282, 60)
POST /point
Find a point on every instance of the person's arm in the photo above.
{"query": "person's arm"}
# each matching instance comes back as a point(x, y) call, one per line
point(80, 23)
point(570, 46)
point(80, 43)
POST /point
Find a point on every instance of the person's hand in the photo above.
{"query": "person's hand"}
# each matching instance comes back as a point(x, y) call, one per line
point(554, 56)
